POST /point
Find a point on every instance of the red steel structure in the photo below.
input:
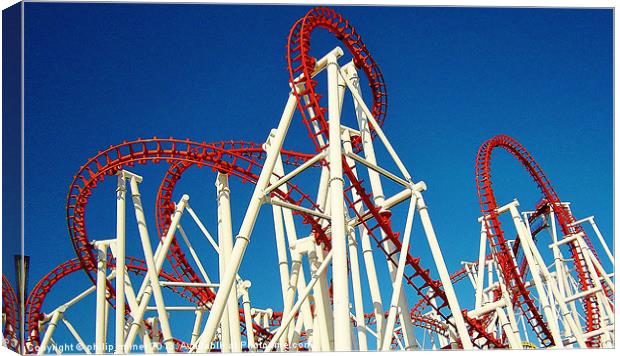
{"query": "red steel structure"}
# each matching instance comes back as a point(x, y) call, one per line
point(489, 206)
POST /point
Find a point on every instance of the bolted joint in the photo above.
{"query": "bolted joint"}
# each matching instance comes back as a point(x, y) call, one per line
point(240, 237)
point(336, 178)
point(129, 175)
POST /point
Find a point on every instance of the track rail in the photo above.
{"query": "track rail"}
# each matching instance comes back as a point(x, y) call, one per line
point(301, 65)
point(237, 158)
point(136, 266)
point(488, 206)
point(164, 206)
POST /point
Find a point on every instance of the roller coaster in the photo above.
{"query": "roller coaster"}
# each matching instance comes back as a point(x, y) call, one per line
point(343, 221)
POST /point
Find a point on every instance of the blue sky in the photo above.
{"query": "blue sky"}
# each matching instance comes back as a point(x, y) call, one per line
point(98, 74)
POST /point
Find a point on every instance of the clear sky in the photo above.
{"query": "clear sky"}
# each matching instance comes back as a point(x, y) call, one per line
point(98, 74)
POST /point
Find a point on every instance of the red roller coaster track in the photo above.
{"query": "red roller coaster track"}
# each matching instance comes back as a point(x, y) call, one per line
point(165, 208)
point(135, 266)
point(155, 150)
point(301, 62)
point(488, 206)
point(44, 286)
point(240, 159)
point(301, 66)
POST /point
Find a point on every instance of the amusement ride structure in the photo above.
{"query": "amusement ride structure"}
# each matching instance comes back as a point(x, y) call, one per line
point(343, 223)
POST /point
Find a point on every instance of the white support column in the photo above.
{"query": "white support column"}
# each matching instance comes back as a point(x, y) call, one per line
point(491, 264)
point(397, 284)
point(543, 299)
point(282, 261)
point(444, 276)
point(119, 328)
point(243, 238)
point(367, 255)
point(510, 310)
point(482, 255)
point(357, 293)
point(77, 336)
point(306, 313)
point(225, 344)
point(324, 314)
point(197, 323)
point(225, 240)
point(342, 87)
point(538, 268)
point(373, 284)
point(102, 250)
point(342, 323)
point(145, 291)
point(302, 297)
point(322, 327)
point(365, 119)
point(353, 258)
point(508, 330)
point(247, 313)
point(133, 305)
point(296, 277)
point(602, 241)
point(152, 269)
point(551, 297)
point(106, 320)
point(558, 261)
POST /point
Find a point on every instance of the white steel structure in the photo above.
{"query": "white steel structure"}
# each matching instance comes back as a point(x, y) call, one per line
point(336, 322)
point(549, 275)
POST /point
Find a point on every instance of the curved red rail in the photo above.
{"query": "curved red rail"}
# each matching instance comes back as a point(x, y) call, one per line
point(301, 62)
point(9, 309)
point(134, 265)
point(164, 206)
point(488, 206)
point(237, 159)
point(42, 288)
